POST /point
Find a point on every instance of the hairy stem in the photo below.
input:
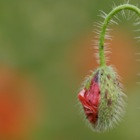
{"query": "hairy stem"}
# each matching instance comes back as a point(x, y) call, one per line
point(105, 24)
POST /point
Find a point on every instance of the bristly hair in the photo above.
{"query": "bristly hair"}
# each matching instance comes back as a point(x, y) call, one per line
point(101, 95)
point(127, 14)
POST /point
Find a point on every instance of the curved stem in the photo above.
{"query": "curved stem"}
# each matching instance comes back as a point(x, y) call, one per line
point(104, 27)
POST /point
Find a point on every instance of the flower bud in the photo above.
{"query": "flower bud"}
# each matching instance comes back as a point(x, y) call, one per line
point(102, 99)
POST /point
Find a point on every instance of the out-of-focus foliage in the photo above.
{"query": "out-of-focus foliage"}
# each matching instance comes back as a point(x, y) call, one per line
point(50, 42)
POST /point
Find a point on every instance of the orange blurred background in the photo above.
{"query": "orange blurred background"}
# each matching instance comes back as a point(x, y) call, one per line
point(46, 50)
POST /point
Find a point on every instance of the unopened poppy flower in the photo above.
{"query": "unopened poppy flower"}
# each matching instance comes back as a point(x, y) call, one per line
point(102, 99)
point(101, 96)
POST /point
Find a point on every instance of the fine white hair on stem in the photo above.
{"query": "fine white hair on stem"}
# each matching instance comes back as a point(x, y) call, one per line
point(136, 23)
point(98, 23)
point(137, 18)
point(123, 14)
point(97, 31)
point(116, 17)
point(114, 5)
point(113, 22)
point(103, 14)
point(128, 1)
point(137, 37)
point(127, 14)
point(137, 30)
point(108, 37)
point(130, 15)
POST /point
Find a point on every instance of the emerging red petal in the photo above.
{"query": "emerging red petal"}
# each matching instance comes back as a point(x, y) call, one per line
point(90, 99)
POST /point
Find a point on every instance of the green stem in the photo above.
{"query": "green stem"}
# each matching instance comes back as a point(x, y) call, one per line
point(104, 27)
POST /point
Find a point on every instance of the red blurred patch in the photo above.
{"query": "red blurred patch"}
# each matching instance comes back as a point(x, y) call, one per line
point(19, 109)
point(9, 115)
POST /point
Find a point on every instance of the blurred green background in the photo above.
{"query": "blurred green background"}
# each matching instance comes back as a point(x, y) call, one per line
point(50, 42)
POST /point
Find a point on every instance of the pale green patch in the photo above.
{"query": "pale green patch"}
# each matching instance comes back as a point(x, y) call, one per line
point(111, 105)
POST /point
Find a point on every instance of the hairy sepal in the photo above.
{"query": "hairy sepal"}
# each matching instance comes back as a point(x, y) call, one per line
point(111, 106)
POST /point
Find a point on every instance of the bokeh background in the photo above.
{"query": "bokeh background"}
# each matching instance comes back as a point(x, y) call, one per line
point(46, 50)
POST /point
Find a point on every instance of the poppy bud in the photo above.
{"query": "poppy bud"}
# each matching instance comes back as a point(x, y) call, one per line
point(102, 98)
